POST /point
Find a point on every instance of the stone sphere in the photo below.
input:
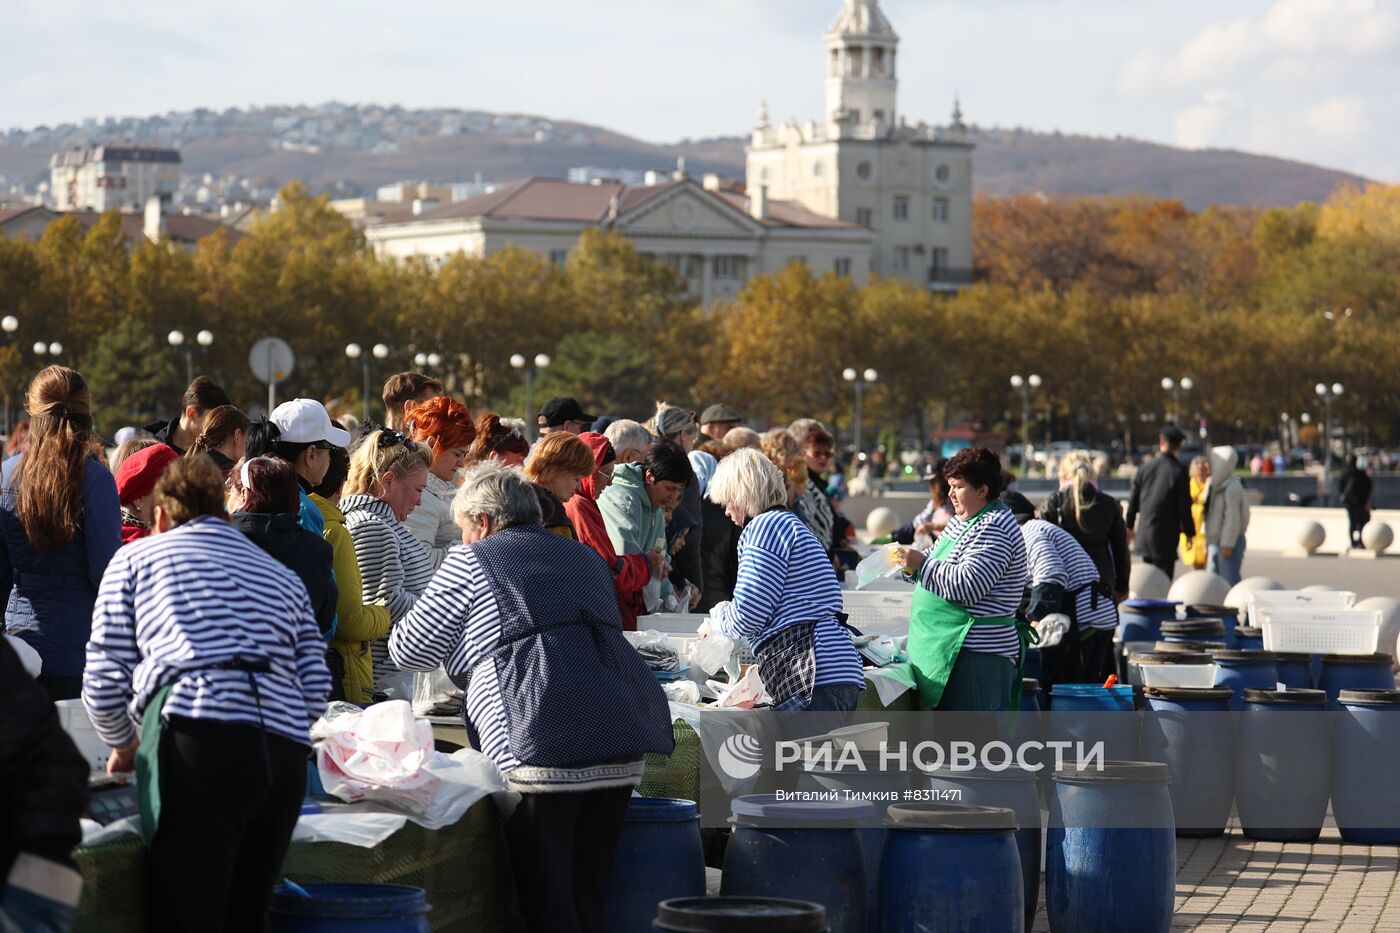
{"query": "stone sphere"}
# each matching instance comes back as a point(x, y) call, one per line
point(1200, 587)
point(1148, 582)
point(1377, 536)
point(1311, 535)
point(882, 521)
point(1318, 588)
point(1238, 597)
point(1390, 621)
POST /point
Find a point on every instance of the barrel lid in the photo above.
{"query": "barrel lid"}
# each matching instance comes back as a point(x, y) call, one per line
point(768, 810)
point(1369, 697)
point(661, 810)
point(1207, 610)
point(350, 900)
point(1090, 690)
point(1297, 657)
point(1286, 697)
point(1190, 646)
point(1194, 627)
point(1169, 657)
point(741, 915)
point(1140, 772)
point(1248, 631)
point(1188, 693)
point(1152, 603)
point(1030, 685)
point(1365, 660)
point(979, 774)
point(1245, 654)
point(950, 816)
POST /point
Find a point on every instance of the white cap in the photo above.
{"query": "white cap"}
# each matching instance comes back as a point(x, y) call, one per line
point(124, 434)
point(306, 421)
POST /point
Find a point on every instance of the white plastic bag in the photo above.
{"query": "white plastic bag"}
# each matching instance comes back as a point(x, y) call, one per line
point(746, 693)
point(877, 566)
point(713, 651)
point(1052, 629)
point(434, 693)
point(682, 691)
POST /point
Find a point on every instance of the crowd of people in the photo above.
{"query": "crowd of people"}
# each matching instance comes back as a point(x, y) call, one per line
point(209, 584)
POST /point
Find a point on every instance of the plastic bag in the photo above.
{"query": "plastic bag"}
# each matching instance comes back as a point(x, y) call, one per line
point(682, 691)
point(877, 566)
point(713, 651)
point(656, 650)
point(434, 694)
point(744, 694)
point(680, 600)
point(1052, 629)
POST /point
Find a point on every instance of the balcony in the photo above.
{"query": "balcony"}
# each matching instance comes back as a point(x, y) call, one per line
point(948, 278)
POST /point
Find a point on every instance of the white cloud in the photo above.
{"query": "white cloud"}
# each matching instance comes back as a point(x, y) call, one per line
point(1217, 50)
point(1338, 118)
point(1199, 126)
point(1356, 26)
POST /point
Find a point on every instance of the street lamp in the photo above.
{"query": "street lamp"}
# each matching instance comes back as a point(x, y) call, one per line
point(1027, 387)
point(860, 381)
point(176, 339)
point(1328, 394)
point(1184, 384)
point(9, 324)
point(54, 349)
point(355, 352)
point(517, 361)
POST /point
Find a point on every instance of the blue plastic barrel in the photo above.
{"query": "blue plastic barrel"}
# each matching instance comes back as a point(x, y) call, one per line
point(1245, 670)
point(1229, 616)
point(1193, 632)
point(358, 908)
point(950, 868)
point(1093, 713)
point(739, 915)
point(1111, 850)
point(1030, 695)
point(801, 849)
point(1032, 667)
point(1014, 790)
point(659, 857)
point(1141, 619)
point(1295, 670)
point(1283, 764)
point(1189, 730)
point(1249, 639)
point(1366, 743)
point(1355, 672)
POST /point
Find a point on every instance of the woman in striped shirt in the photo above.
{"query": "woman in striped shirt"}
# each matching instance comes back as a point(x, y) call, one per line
point(211, 646)
point(388, 473)
point(787, 603)
point(965, 642)
point(528, 620)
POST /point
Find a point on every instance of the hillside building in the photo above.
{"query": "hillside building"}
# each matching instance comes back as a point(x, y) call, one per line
point(103, 178)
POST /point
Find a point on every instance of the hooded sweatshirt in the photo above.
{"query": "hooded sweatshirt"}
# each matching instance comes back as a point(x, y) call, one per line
point(1227, 512)
point(631, 572)
point(305, 554)
point(635, 526)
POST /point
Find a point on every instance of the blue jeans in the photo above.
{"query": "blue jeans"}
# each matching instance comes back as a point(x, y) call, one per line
point(834, 698)
point(1227, 567)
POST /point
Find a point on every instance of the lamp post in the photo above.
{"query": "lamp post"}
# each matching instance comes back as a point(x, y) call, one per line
point(1176, 387)
point(54, 349)
point(355, 352)
point(1328, 394)
point(860, 381)
point(204, 338)
point(1026, 386)
point(8, 325)
point(518, 361)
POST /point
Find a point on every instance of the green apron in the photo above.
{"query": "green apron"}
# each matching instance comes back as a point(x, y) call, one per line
point(938, 627)
point(148, 762)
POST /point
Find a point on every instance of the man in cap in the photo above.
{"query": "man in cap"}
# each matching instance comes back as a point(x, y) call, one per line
point(564, 414)
point(718, 420)
point(1160, 506)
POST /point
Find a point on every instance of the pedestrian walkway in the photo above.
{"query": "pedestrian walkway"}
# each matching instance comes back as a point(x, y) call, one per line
point(1233, 883)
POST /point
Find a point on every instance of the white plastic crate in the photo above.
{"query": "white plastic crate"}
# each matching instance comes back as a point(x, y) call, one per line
point(1320, 631)
point(879, 613)
point(1176, 675)
point(1297, 599)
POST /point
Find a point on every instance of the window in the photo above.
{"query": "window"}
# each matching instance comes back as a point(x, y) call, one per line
point(817, 170)
point(863, 171)
point(835, 63)
point(865, 217)
point(938, 259)
point(901, 259)
point(731, 267)
point(855, 116)
point(942, 174)
point(879, 116)
point(558, 256)
point(842, 266)
point(877, 65)
point(901, 207)
point(940, 210)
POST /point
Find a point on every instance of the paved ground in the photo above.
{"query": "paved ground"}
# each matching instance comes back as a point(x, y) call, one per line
point(1232, 883)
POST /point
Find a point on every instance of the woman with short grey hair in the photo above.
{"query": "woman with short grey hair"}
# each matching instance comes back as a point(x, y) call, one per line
point(527, 620)
point(787, 603)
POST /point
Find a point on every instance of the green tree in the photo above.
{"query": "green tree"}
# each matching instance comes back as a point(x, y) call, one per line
point(131, 373)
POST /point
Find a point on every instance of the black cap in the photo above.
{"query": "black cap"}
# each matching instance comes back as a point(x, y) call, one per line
point(564, 408)
point(1020, 506)
point(720, 414)
point(1172, 434)
point(934, 470)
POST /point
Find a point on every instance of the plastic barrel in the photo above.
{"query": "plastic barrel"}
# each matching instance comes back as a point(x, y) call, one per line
point(1282, 765)
point(801, 849)
point(1249, 639)
point(659, 857)
point(1111, 850)
point(1190, 647)
point(1141, 619)
point(1032, 666)
point(1030, 695)
point(1194, 632)
point(950, 868)
point(1092, 713)
point(1245, 670)
point(358, 908)
point(739, 915)
point(1365, 744)
point(1014, 790)
point(1354, 672)
point(1189, 730)
point(1228, 615)
point(1295, 670)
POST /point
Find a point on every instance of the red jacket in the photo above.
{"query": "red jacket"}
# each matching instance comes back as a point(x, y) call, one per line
point(631, 572)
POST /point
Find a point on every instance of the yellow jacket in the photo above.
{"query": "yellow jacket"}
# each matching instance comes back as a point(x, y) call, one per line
point(1195, 555)
point(358, 624)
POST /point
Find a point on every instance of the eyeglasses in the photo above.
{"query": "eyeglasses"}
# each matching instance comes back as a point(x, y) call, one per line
point(822, 451)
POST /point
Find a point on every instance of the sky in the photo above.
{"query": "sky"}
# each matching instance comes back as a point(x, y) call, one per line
point(1313, 80)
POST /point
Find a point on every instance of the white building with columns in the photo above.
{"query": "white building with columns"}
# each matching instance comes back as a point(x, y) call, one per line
point(863, 162)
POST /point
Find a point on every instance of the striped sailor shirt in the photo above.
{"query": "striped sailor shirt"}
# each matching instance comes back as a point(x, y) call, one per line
point(785, 578)
point(175, 606)
point(1053, 556)
point(985, 573)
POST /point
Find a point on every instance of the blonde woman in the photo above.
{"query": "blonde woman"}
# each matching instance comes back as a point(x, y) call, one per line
point(1093, 518)
point(780, 447)
point(388, 473)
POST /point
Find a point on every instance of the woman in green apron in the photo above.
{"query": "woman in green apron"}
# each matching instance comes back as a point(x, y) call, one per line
point(965, 642)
